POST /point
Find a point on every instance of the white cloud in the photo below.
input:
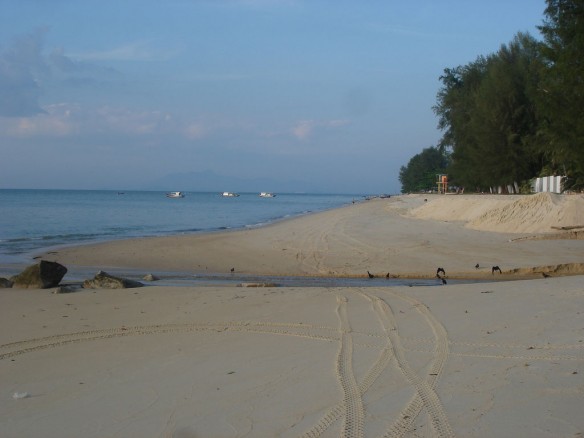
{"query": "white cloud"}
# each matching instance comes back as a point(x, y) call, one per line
point(69, 119)
point(305, 128)
point(195, 130)
point(56, 121)
point(27, 73)
point(123, 120)
point(22, 68)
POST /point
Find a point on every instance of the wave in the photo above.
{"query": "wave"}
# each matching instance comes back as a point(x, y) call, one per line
point(60, 237)
point(29, 227)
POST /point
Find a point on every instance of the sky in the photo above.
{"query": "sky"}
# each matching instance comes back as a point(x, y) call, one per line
point(239, 95)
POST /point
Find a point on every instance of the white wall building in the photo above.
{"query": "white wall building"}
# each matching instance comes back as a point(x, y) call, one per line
point(553, 184)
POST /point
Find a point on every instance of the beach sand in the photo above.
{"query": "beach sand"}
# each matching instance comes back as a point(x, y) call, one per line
point(500, 358)
point(404, 236)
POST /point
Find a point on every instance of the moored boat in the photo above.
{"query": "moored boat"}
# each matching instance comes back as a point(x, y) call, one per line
point(175, 195)
point(267, 195)
point(229, 195)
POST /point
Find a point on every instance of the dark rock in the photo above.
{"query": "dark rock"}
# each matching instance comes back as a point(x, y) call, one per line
point(5, 283)
point(103, 280)
point(44, 275)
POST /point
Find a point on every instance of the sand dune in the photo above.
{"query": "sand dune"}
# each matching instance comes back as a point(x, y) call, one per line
point(539, 213)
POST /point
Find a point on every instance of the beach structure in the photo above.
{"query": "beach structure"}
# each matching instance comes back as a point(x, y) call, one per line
point(553, 184)
point(442, 182)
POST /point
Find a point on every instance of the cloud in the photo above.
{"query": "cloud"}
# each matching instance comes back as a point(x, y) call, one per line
point(70, 119)
point(151, 50)
point(26, 72)
point(56, 121)
point(22, 68)
point(127, 121)
point(195, 130)
point(305, 128)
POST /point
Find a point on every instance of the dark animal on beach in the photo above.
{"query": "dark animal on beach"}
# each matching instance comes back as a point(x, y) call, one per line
point(495, 269)
point(232, 269)
point(477, 266)
point(443, 280)
point(545, 275)
point(387, 276)
point(370, 274)
point(440, 270)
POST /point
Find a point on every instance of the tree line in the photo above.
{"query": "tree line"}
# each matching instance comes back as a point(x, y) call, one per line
point(513, 115)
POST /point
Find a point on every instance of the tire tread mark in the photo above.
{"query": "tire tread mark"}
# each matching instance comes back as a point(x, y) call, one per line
point(352, 400)
point(31, 345)
point(334, 413)
point(426, 396)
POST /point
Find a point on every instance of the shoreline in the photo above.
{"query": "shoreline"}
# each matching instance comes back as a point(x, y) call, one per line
point(30, 256)
point(403, 237)
point(497, 358)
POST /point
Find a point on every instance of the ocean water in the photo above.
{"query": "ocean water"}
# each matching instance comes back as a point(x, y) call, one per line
point(34, 221)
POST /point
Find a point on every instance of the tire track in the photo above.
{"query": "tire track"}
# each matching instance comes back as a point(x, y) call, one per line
point(491, 344)
point(506, 356)
point(317, 242)
point(426, 397)
point(336, 412)
point(300, 330)
point(310, 245)
point(508, 351)
point(352, 401)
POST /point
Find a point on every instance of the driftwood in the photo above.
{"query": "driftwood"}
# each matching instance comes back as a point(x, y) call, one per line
point(571, 227)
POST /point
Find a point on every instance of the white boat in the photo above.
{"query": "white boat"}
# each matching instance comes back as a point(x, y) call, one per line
point(175, 195)
point(267, 195)
point(229, 195)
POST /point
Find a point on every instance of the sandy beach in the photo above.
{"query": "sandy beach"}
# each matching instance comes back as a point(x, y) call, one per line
point(405, 236)
point(503, 357)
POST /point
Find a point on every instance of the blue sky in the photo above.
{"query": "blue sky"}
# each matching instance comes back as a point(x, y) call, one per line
point(289, 95)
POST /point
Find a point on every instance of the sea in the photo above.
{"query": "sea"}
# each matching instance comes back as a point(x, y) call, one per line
point(35, 221)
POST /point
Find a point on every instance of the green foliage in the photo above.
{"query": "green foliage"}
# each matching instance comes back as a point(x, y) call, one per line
point(420, 173)
point(518, 113)
point(489, 116)
point(561, 100)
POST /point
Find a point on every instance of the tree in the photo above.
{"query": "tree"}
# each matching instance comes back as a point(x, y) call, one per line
point(561, 97)
point(504, 119)
point(488, 116)
point(420, 172)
